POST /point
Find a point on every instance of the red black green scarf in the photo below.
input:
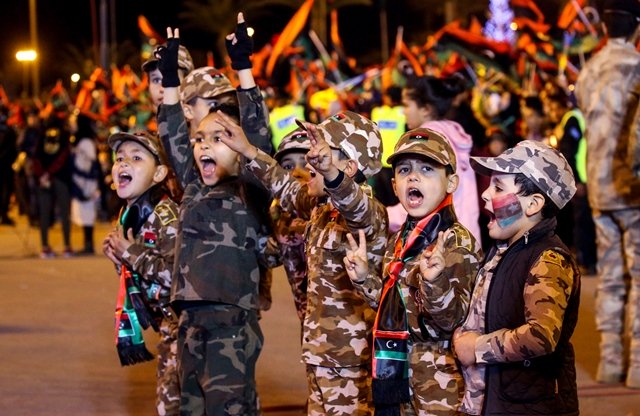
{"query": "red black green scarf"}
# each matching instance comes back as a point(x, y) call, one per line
point(132, 311)
point(391, 329)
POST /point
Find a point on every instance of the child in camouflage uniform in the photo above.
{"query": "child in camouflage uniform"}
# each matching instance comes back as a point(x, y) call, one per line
point(345, 151)
point(220, 236)
point(431, 292)
point(139, 172)
point(286, 244)
point(514, 345)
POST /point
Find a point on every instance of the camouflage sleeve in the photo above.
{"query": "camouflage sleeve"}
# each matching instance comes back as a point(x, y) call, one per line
point(290, 192)
point(546, 295)
point(254, 117)
point(152, 255)
point(634, 143)
point(272, 253)
point(361, 211)
point(445, 300)
point(371, 288)
point(174, 133)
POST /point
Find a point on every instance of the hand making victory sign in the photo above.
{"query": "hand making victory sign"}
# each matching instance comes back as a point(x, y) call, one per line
point(234, 137)
point(355, 261)
point(320, 156)
point(432, 260)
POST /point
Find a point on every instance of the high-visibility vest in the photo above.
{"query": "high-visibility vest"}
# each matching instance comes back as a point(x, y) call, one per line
point(581, 153)
point(391, 122)
point(283, 120)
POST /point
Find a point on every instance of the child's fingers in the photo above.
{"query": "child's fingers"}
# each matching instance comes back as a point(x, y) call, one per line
point(352, 242)
point(362, 241)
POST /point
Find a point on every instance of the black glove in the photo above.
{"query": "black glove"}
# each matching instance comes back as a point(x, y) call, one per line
point(242, 50)
point(168, 62)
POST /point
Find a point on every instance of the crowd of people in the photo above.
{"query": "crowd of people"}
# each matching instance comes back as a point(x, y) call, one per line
point(433, 232)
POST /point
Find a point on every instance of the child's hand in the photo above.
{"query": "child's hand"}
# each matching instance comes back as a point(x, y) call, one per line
point(234, 136)
point(108, 250)
point(240, 46)
point(464, 345)
point(319, 156)
point(355, 261)
point(432, 260)
point(168, 59)
point(119, 243)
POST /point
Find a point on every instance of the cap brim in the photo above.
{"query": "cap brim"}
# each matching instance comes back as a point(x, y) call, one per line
point(408, 152)
point(487, 165)
point(115, 140)
point(150, 65)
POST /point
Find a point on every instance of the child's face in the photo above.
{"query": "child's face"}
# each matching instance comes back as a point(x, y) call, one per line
point(155, 87)
point(415, 115)
point(135, 170)
point(201, 107)
point(295, 162)
point(215, 160)
point(421, 185)
point(506, 208)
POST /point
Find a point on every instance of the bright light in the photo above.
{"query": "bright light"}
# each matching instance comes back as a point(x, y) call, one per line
point(26, 55)
point(513, 26)
point(75, 77)
point(250, 31)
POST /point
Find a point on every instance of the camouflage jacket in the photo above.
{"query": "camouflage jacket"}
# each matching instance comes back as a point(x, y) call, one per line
point(338, 320)
point(286, 247)
point(608, 90)
point(221, 233)
point(440, 304)
point(151, 257)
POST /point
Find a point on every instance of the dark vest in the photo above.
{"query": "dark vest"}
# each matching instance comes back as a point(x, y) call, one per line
point(543, 385)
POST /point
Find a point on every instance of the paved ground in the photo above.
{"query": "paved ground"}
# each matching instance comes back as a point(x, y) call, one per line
point(57, 354)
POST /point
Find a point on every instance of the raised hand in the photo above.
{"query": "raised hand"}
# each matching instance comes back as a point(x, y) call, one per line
point(119, 242)
point(355, 261)
point(168, 59)
point(240, 46)
point(319, 156)
point(432, 260)
point(234, 136)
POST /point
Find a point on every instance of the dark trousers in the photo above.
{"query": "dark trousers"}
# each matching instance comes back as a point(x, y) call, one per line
point(58, 196)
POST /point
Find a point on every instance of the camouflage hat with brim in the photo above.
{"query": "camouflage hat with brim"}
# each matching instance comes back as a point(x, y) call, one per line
point(184, 61)
point(542, 164)
point(358, 137)
point(425, 142)
point(204, 82)
point(296, 141)
point(147, 140)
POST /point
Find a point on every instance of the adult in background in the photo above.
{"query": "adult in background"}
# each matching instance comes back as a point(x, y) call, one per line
point(607, 91)
point(8, 153)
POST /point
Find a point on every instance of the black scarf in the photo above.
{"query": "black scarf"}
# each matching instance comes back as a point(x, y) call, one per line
point(390, 383)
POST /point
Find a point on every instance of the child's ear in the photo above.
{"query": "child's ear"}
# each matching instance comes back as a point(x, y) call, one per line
point(535, 204)
point(352, 168)
point(160, 174)
point(393, 185)
point(452, 183)
point(188, 111)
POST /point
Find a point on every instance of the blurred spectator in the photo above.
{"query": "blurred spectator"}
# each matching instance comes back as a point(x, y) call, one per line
point(26, 187)
point(8, 153)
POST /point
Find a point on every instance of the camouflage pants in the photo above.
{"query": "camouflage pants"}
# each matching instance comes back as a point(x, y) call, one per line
point(218, 346)
point(435, 381)
point(168, 387)
point(335, 391)
point(618, 238)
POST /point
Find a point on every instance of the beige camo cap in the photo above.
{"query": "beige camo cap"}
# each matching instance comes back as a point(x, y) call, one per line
point(542, 164)
point(204, 82)
point(425, 142)
point(297, 140)
point(358, 137)
point(148, 141)
point(184, 61)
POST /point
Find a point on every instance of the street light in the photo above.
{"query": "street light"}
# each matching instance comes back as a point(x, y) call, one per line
point(26, 57)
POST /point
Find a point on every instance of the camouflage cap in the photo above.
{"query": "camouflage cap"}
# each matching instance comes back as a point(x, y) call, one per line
point(358, 137)
point(297, 140)
point(542, 164)
point(204, 82)
point(148, 141)
point(184, 61)
point(425, 142)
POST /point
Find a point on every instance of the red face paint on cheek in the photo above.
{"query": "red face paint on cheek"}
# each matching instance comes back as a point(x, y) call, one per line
point(507, 209)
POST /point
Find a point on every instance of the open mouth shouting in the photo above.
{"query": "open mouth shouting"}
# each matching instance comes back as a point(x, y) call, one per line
point(124, 179)
point(414, 198)
point(207, 166)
